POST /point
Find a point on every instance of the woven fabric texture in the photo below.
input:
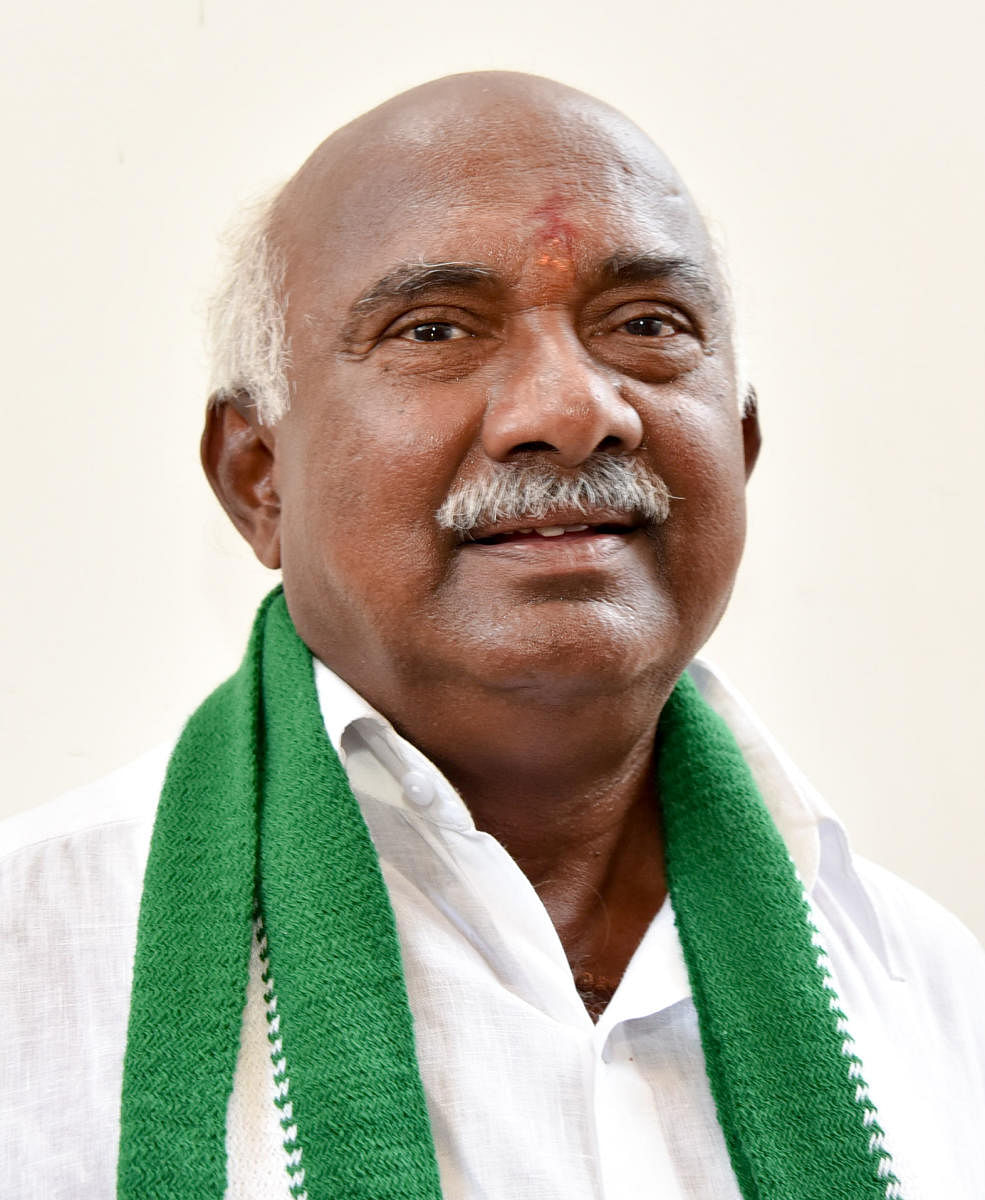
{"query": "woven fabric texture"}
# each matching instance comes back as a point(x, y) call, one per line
point(254, 778)
point(788, 1088)
point(256, 810)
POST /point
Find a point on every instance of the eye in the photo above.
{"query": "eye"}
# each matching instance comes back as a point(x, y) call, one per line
point(433, 331)
point(649, 337)
point(649, 327)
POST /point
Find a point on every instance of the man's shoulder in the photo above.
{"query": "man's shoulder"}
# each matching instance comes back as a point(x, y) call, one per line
point(921, 934)
point(117, 809)
point(71, 874)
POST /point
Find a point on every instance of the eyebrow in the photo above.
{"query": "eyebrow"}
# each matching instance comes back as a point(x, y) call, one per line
point(626, 267)
point(623, 267)
point(410, 279)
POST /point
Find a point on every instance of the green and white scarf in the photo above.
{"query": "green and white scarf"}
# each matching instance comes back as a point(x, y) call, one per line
point(256, 816)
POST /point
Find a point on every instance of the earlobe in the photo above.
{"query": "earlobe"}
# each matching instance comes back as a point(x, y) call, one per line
point(752, 437)
point(239, 456)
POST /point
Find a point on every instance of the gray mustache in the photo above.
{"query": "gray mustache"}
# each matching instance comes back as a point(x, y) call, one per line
point(533, 491)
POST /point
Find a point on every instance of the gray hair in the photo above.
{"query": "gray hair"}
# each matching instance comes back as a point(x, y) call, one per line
point(248, 345)
point(745, 392)
point(610, 484)
point(249, 349)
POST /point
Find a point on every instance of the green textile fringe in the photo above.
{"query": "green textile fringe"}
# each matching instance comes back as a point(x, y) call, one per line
point(256, 810)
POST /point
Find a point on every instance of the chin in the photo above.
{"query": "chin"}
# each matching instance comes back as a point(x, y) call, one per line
point(566, 650)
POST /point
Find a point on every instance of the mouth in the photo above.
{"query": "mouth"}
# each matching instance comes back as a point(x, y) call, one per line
point(552, 529)
point(584, 554)
point(552, 532)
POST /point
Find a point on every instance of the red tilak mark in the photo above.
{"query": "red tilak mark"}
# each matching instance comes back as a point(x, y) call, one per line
point(555, 230)
point(559, 264)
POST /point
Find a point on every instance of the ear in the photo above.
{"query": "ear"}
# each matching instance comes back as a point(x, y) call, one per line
point(752, 437)
point(240, 461)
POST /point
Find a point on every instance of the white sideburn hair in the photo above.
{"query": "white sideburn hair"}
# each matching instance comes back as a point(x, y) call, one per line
point(248, 347)
point(247, 340)
point(744, 391)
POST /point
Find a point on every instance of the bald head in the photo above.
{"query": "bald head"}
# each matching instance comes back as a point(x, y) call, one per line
point(448, 143)
point(447, 134)
point(438, 148)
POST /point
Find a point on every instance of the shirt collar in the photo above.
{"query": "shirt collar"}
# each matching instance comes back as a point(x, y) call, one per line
point(409, 779)
point(341, 706)
point(815, 837)
point(795, 807)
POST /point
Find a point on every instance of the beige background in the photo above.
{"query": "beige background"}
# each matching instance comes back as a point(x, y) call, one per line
point(839, 147)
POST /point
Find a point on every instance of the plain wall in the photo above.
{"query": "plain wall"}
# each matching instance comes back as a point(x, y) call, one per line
point(839, 149)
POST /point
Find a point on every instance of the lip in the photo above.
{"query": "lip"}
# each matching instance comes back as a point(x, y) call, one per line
point(572, 553)
point(600, 524)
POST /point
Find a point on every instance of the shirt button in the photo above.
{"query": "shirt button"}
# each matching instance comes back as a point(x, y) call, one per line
point(418, 788)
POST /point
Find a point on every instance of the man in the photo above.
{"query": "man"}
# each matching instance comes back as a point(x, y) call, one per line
point(477, 398)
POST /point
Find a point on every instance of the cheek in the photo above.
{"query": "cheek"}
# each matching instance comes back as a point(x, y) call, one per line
point(695, 440)
point(359, 500)
point(700, 454)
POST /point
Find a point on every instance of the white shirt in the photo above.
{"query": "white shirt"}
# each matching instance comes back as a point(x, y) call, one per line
point(529, 1100)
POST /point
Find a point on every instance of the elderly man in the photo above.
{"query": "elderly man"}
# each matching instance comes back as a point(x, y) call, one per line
point(467, 884)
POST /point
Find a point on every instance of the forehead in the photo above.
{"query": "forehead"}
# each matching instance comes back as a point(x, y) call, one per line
point(574, 193)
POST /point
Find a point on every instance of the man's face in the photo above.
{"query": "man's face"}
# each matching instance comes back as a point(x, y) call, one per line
point(456, 309)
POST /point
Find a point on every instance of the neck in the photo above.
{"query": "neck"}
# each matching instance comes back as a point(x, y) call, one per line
point(568, 789)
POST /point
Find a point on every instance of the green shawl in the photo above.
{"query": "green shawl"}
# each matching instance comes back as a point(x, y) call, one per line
point(257, 817)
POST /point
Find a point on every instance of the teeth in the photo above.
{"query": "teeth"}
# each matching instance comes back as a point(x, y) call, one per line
point(556, 531)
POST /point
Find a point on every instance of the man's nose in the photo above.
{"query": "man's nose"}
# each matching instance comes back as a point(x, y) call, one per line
point(554, 399)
